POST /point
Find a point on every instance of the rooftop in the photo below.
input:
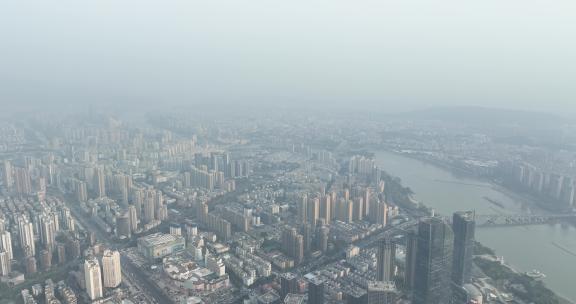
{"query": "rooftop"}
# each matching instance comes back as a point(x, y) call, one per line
point(159, 238)
point(294, 299)
point(381, 286)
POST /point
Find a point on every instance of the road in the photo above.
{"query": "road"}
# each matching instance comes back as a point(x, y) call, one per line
point(135, 286)
point(143, 280)
point(136, 274)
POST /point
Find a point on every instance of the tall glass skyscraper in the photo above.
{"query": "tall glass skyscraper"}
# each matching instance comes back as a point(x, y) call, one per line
point(386, 257)
point(315, 291)
point(463, 225)
point(410, 265)
point(432, 282)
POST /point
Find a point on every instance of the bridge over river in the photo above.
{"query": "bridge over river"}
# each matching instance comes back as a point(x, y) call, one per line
point(503, 220)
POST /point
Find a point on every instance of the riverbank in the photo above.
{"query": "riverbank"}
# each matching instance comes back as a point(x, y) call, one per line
point(529, 200)
point(440, 189)
point(506, 277)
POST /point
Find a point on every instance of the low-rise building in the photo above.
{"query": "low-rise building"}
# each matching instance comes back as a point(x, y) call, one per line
point(159, 245)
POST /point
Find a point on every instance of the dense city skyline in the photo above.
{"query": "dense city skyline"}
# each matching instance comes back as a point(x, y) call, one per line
point(295, 207)
point(287, 152)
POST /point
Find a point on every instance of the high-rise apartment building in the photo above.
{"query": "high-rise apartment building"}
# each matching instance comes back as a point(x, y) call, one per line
point(6, 243)
point(5, 263)
point(7, 175)
point(366, 195)
point(93, 278)
point(31, 265)
point(100, 182)
point(345, 210)
point(123, 228)
point(293, 244)
point(302, 207)
point(133, 216)
point(23, 181)
point(45, 259)
point(326, 209)
point(81, 191)
point(321, 238)
point(111, 269)
point(26, 231)
point(379, 213)
point(358, 209)
point(47, 232)
point(307, 232)
point(313, 210)
point(149, 209)
point(385, 260)
point(61, 253)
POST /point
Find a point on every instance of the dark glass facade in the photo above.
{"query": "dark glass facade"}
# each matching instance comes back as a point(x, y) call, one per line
point(386, 257)
point(432, 282)
point(410, 266)
point(463, 225)
point(316, 291)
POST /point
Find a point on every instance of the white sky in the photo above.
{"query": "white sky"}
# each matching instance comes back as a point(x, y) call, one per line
point(398, 55)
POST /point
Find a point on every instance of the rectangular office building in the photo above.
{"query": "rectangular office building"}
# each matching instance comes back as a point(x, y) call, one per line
point(159, 245)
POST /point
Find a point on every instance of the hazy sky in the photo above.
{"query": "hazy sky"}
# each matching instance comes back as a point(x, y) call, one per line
point(397, 55)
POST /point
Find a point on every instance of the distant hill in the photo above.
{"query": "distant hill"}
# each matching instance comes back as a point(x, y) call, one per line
point(480, 115)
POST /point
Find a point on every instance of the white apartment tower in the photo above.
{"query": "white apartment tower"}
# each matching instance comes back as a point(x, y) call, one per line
point(111, 269)
point(6, 243)
point(93, 278)
point(26, 237)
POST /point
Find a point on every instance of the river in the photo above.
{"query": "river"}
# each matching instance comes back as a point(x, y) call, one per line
point(524, 248)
